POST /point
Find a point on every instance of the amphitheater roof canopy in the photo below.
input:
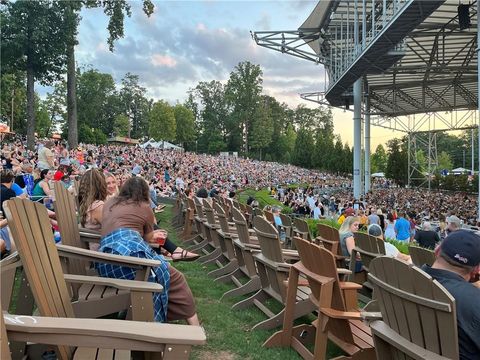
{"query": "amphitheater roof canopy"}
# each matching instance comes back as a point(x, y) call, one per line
point(412, 54)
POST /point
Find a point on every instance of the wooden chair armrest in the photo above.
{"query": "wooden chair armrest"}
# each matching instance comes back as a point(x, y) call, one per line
point(121, 284)
point(89, 255)
point(371, 315)
point(102, 333)
point(349, 286)
point(90, 232)
point(11, 261)
point(342, 271)
point(384, 332)
point(337, 314)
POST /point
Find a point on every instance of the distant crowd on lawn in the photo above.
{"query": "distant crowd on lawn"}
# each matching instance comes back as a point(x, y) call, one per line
point(170, 171)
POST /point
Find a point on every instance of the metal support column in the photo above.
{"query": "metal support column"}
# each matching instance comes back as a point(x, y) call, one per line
point(478, 94)
point(367, 143)
point(357, 137)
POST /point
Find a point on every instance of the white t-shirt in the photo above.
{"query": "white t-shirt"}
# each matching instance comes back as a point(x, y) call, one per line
point(391, 250)
point(317, 213)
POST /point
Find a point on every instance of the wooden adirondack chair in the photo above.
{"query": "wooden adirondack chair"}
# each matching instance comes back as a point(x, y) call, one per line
point(189, 234)
point(329, 237)
point(211, 227)
point(225, 235)
point(31, 230)
point(269, 216)
point(273, 270)
point(335, 302)
point(288, 228)
point(245, 246)
point(92, 300)
point(89, 339)
point(369, 248)
point(421, 256)
point(300, 229)
point(418, 313)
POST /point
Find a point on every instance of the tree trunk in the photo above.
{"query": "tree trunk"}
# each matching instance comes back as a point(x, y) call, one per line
point(30, 105)
point(71, 98)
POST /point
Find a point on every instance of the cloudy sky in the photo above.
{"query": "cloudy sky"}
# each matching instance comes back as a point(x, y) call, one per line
point(185, 42)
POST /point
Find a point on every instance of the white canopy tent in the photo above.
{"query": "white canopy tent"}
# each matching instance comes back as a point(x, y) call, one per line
point(160, 145)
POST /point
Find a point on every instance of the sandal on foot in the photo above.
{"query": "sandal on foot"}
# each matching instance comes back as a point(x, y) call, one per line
point(184, 256)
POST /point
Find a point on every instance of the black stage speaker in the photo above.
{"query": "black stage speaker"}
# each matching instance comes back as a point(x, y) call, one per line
point(464, 16)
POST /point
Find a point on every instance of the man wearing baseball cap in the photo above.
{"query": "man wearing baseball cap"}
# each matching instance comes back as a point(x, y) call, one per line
point(457, 262)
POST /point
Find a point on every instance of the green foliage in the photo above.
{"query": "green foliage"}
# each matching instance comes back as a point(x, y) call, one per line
point(43, 123)
point(263, 197)
point(397, 165)
point(243, 95)
point(302, 152)
point(262, 127)
point(402, 246)
point(135, 105)
point(13, 93)
point(185, 122)
point(162, 125)
point(379, 160)
point(121, 125)
point(444, 161)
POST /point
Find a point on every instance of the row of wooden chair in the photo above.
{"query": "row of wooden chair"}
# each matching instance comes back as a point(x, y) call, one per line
point(412, 316)
point(58, 281)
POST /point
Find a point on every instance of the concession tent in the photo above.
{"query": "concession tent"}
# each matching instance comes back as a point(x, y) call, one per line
point(160, 145)
point(378, 175)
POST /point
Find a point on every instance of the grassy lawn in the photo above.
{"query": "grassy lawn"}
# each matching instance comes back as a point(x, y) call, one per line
point(263, 197)
point(229, 334)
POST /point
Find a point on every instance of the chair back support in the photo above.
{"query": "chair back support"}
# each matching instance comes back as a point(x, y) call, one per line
point(4, 348)
point(421, 256)
point(325, 231)
point(268, 238)
point(33, 236)
point(241, 225)
point(369, 247)
point(321, 261)
point(286, 220)
point(208, 210)
point(198, 206)
point(301, 228)
point(269, 216)
point(68, 225)
point(222, 219)
point(415, 308)
point(257, 212)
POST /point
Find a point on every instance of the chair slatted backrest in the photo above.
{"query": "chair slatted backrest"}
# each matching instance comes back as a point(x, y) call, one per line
point(321, 261)
point(301, 228)
point(257, 212)
point(68, 225)
point(268, 238)
point(241, 225)
point(369, 247)
point(33, 236)
point(329, 237)
point(324, 231)
point(421, 256)
point(198, 207)
point(222, 218)
point(269, 216)
point(415, 306)
point(208, 210)
point(286, 220)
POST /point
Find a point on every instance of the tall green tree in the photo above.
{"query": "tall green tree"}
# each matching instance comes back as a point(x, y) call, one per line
point(97, 101)
point(185, 122)
point(444, 161)
point(116, 11)
point(262, 128)
point(135, 105)
point(121, 125)
point(13, 100)
point(379, 160)
point(397, 164)
point(243, 92)
point(302, 152)
point(162, 125)
point(211, 120)
point(33, 39)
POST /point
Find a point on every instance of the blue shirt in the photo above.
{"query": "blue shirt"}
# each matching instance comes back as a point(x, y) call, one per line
point(128, 242)
point(17, 189)
point(402, 228)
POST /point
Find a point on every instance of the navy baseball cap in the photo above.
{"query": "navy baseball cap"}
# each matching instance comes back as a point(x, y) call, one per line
point(463, 247)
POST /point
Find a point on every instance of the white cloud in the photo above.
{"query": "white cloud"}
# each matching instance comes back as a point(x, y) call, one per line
point(163, 60)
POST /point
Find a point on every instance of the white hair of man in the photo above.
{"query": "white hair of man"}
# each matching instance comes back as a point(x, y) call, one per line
point(426, 226)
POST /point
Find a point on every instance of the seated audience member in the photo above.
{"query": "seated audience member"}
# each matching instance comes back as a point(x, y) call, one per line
point(347, 241)
point(6, 178)
point(112, 185)
point(453, 224)
point(127, 228)
point(278, 223)
point(457, 261)
point(42, 189)
point(390, 249)
point(426, 237)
